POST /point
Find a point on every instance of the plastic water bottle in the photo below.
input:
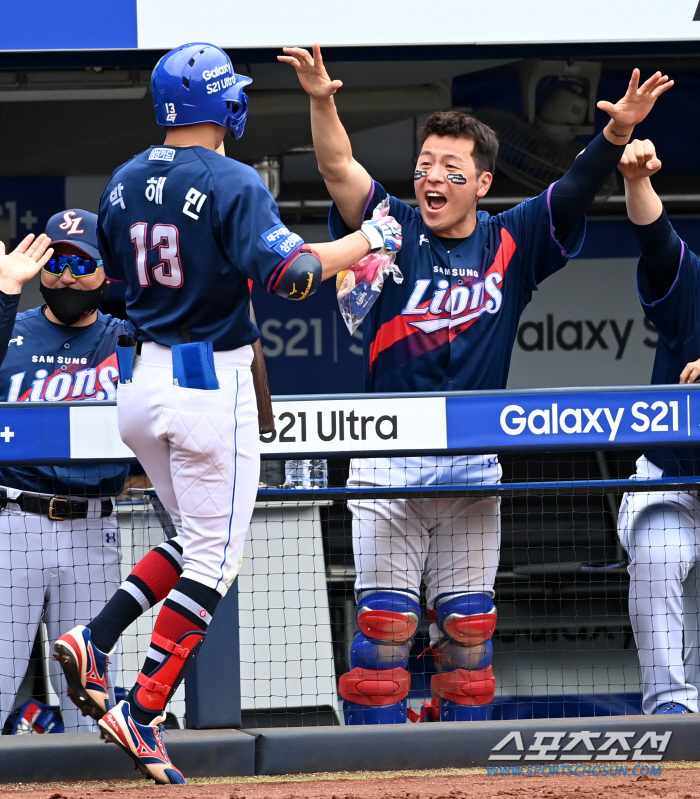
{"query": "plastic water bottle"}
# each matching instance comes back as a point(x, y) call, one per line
point(319, 473)
point(306, 473)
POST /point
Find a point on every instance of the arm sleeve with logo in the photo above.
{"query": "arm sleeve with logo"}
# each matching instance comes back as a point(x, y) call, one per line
point(400, 211)
point(676, 315)
point(254, 238)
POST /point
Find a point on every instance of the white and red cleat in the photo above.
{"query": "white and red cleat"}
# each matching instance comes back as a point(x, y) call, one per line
point(142, 742)
point(85, 668)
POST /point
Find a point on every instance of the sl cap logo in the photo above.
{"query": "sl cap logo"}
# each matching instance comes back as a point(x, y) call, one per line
point(71, 223)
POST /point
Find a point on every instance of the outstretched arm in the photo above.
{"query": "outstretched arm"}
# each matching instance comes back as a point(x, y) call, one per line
point(573, 194)
point(348, 182)
point(660, 244)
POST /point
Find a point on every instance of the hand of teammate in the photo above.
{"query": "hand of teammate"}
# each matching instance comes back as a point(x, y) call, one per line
point(691, 373)
point(636, 104)
point(311, 72)
point(20, 265)
point(382, 234)
point(639, 160)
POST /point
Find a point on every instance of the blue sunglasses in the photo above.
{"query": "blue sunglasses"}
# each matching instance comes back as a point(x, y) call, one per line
point(79, 267)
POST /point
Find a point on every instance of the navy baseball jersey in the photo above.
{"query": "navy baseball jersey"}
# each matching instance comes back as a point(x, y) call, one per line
point(185, 228)
point(53, 363)
point(677, 318)
point(452, 323)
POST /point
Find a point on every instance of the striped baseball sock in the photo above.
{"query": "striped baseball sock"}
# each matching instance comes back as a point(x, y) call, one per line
point(152, 579)
point(178, 633)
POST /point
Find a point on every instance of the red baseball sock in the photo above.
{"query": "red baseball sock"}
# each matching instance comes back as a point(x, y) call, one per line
point(152, 579)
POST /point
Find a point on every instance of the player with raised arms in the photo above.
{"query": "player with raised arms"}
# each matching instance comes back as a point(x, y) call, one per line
point(186, 229)
point(661, 529)
point(450, 326)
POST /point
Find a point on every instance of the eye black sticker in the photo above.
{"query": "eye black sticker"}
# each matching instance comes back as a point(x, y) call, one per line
point(457, 178)
point(418, 174)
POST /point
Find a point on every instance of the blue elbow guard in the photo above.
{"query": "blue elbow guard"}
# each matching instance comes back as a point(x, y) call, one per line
point(300, 278)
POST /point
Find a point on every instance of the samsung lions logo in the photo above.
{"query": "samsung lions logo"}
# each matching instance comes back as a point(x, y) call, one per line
point(71, 223)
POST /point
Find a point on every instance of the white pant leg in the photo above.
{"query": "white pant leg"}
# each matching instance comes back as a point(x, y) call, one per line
point(659, 532)
point(465, 541)
point(141, 428)
point(463, 554)
point(213, 450)
point(691, 623)
point(87, 575)
point(396, 541)
point(389, 543)
point(24, 567)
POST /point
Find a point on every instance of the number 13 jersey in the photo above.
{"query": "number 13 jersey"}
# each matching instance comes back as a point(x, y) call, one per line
point(185, 229)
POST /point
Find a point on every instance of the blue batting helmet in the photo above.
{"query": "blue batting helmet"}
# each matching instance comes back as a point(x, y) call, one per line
point(196, 83)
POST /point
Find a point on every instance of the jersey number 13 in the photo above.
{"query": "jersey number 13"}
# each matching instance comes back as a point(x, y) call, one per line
point(169, 271)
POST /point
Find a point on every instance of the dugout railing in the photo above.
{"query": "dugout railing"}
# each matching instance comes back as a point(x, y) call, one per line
point(567, 456)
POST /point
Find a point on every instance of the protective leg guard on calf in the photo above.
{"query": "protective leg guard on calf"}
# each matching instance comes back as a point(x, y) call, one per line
point(465, 684)
point(388, 616)
point(467, 618)
point(366, 654)
point(152, 693)
point(375, 696)
point(375, 690)
point(465, 687)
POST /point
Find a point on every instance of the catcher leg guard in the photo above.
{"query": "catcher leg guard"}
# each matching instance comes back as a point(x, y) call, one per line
point(466, 618)
point(152, 693)
point(465, 684)
point(375, 690)
point(387, 616)
point(85, 668)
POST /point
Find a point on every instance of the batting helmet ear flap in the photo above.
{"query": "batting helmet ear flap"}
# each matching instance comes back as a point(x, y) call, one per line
point(237, 104)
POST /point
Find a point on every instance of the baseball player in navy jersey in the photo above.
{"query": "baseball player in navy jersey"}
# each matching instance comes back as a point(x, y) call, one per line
point(449, 326)
point(59, 536)
point(185, 229)
point(661, 530)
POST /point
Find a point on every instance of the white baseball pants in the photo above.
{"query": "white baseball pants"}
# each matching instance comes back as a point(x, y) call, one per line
point(61, 571)
point(453, 544)
point(201, 450)
point(661, 533)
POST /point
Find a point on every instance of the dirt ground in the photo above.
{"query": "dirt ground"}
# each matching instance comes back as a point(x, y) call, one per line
point(676, 781)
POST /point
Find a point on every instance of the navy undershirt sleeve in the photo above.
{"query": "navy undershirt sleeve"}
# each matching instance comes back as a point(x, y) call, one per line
point(661, 254)
point(8, 312)
point(574, 193)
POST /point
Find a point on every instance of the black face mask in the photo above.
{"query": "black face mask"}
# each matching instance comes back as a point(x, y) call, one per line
point(69, 305)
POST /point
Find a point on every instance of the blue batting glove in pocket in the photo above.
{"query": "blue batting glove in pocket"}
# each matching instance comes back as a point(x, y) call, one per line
point(193, 366)
point(126, 349)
